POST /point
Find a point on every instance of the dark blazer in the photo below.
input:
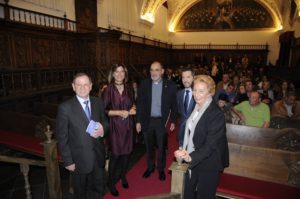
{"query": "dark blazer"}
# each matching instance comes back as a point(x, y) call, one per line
point(76, 146)
point(210, 141)
point(183, 115)
point(168, 102)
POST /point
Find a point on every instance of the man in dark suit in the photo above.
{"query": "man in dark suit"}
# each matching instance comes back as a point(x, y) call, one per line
point(185, 101)
point(155, 105)
point(82, 152)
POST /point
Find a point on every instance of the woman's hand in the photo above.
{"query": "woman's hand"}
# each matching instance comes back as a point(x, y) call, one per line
point(124, 114)
point(183, 154)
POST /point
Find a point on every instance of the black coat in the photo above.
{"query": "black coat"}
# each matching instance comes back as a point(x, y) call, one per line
point(168, 102)
point(76, 146)
point(210, 141)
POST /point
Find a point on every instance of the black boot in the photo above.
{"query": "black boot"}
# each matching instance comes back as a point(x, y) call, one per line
point(113, 190)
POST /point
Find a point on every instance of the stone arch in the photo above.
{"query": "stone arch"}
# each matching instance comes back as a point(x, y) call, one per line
point(150, 7)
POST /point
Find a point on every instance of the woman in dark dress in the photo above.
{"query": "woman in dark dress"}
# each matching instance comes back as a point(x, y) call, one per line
point(118, 100)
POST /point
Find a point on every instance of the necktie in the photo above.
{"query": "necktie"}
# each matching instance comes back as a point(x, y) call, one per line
point(87, 110)
point(186, 101)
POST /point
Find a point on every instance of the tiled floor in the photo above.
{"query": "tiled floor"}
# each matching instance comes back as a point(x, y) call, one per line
point(12, 180)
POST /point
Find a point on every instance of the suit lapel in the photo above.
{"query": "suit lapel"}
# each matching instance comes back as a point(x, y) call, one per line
point(191, 105)
point(164, 92)
point(93, 109)
point(79, 110)
point(149, 94)
point(181, 94)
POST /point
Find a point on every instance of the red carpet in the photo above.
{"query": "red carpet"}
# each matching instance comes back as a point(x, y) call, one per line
point(229, 184)
point(255, 189)
point(138, 186)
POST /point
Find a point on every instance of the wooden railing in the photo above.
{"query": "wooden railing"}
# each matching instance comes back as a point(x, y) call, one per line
point(19, 15)
point(143, 40)
point(222, 47)
point(24, 81)
point(50, 162)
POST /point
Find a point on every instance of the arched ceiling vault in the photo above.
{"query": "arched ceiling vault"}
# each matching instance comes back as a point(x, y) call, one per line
point(179, 7)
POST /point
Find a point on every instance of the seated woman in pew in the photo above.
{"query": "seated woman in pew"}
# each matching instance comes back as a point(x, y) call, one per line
point(205, 146)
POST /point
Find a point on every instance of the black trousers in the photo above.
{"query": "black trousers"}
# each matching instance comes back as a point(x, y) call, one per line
point(90, 185)
point(118, 166)
point(156, 134)
point(201, 184)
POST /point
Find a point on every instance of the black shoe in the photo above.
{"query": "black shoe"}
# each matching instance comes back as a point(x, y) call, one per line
point(147, 173)
point(162, 176)
point(124, 183)
point(114, 191)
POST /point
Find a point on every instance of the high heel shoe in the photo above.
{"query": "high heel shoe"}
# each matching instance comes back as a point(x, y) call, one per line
point(124, 183)
point(114, 191)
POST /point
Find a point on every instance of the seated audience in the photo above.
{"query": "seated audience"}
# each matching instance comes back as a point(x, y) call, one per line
point(267, 94)
point(285, 86)
point(253, 112)
point(241, 95)
point(288, 107)
point(229, 92)
point(224, 83)
point(225, 106)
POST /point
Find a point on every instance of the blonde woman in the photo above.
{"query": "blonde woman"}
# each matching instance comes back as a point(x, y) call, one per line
point(205, 145)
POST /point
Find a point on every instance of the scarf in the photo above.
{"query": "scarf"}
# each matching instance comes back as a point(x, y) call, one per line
point(191, 124)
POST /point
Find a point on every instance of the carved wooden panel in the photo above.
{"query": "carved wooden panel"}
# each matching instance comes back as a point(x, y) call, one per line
point(4, 51)
point(113, 52)
point(72, 54)
point(60, 50)
point(124, 53)
point(41, 52)
point(21, 49)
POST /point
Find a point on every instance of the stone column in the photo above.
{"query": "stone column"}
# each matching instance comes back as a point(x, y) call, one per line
point(178, 173)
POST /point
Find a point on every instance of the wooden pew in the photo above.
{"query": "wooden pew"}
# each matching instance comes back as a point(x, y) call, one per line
point(264, 154)
point(264, 163)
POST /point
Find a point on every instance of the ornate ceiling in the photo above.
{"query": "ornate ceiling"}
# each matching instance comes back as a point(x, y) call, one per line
point(176, 8)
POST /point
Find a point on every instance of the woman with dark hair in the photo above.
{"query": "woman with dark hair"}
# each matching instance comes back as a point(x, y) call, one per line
point(284, 87)
point(119, 104)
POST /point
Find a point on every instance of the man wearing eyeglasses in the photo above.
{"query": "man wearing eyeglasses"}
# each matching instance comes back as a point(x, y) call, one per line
point(156, 104)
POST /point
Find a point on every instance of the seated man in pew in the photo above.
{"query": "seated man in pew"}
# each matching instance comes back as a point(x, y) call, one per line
point(253, 112)
point(287, 107)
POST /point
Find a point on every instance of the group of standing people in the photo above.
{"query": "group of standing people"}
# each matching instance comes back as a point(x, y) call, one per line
point(202, 131)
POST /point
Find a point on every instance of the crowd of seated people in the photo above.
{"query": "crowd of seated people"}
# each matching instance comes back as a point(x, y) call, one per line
point(242, 88)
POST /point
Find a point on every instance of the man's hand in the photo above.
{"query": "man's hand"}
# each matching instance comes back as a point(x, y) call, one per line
point(138, 127)
point(71, 167)
point(99, 132)
point(132, 111)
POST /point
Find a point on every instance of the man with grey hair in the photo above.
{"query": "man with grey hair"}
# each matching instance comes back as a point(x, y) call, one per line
point(156, 104)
